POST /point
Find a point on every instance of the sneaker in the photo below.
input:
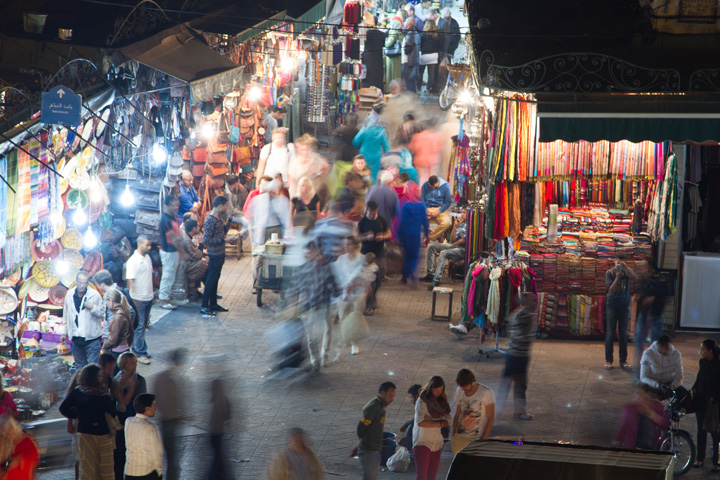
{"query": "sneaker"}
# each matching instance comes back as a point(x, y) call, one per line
point(459, 329)
point(168, 306)
point(178, 303)
point(354, 350)
point(626, 366)
point(144, 360)
point(524, 416)
point(218, 308)
point(206, 312)
point(427, 278)
point(432, 285)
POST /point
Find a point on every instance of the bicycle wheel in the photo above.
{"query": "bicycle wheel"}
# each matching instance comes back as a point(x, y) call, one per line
point(447, 96)
point(683, 450)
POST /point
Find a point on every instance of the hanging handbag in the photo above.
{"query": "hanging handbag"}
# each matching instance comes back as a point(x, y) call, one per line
point(392, 51)
point(242, 156)
point(247, 123)
point(217, 152)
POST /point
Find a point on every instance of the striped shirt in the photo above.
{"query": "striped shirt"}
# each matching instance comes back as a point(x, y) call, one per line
point(144, 450)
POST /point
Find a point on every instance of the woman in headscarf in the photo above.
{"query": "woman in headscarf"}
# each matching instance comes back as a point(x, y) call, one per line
point(372, 141)
point(90, 402)
point(432, 413)
point(413, 219)
point(393, 65)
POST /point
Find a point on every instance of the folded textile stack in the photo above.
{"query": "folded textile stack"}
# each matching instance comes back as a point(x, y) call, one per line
point(563, 273)
point(549, 272)
point(602, 265)
point(536, 265)
point(642, 246)
point(588, 275)
point(575, 274)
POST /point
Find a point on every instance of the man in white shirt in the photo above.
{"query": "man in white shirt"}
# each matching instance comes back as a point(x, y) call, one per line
point(83, 313)
point(138, 274)
point(275, 156)
point(474, 412)
point(143, 447)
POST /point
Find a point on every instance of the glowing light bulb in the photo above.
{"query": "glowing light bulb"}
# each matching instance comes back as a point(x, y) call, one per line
point(56, 218)
point(90, 241)
point(466, 97)
point(208, 131)
point(61, 267)
point(159, 154)
point(254, 94)
point(287, 63)
point(79, 217)
point(127, 198)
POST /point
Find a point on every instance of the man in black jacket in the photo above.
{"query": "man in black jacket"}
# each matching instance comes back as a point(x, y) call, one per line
point(450, 32)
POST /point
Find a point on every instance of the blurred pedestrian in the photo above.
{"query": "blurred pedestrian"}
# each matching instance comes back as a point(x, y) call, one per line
point(169, 255)
point(104, 282)
point(194, 263)
point(214, 230)
point(426, 149)
point(642, 422)
point(144, 450)
point(651, 305)
point(169, 392)
point(308, 163)
point(431, 46)
point(139, 275)
point(219, 415)
point(274, 116)
point(83, 313)
point(385, 197)
point(331, 231)
point(413, 221)
point(436, 195)
point(432, 413)
point(275, 157)
point(351, 199)
point(374, 231)
point(372, 142)
point(411, 56)
point(617, 316)
point(89, 403)
point(128, 384)
point(370, 431)
point(306, 204)
point(522, 329)
point(314, 285)
point(360, 168)
point(393, 44)
point(19, 455)
point(474, 411)
point(707, 387)
point(296, 461)
point(348, 274)
point(407, 428)
point(236, 193)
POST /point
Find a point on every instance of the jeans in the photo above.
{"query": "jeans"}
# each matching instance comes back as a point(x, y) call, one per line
point(445, 252)
point(170, 261)
point(426, 462)
point(515, 372)
point(370, 462)
point(139, 347)
point(644, 323)
point(217, 470)
point(617, 315)
point(442, 220)
point(410, 76)
point(702, 438)
point(85, 351)
point(169, 430)
point(214, 270)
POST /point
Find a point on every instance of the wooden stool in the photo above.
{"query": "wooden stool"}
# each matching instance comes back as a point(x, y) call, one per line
point(442, 291)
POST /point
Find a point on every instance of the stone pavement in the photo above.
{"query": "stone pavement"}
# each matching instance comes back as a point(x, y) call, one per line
point(572, 398)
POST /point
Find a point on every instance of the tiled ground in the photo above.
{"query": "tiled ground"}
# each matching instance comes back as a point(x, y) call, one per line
point(572, 397)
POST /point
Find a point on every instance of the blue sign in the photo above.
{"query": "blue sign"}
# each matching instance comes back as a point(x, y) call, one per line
point(60, 106)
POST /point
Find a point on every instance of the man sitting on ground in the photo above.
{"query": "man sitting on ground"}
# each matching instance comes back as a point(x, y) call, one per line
point(194, 264)
point(455, 250)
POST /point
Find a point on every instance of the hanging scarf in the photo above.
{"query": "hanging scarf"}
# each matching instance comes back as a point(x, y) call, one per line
point(493, 304)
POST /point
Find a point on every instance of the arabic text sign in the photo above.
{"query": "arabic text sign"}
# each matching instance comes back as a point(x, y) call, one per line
point(60, 106)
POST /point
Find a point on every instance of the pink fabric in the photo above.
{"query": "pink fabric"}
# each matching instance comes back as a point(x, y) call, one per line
point(7, 405)
point(471, 294)
point(626, 433)
point(426, 462)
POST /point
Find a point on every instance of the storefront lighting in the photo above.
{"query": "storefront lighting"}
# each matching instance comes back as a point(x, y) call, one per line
point(127, 198)
point(208, 131)
point(56, 218)
point(90, 241)
point(61, 267)
point(95, 193)
point(79, 218)
point(159, 154)
point(466, 97)
point(254, 94)
point(287, 63)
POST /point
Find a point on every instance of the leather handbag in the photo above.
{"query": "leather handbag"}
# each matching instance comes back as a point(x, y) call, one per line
point(199, 161)
point(247, 123)
point(242, 156)
point(147, 218)
point(217, 152)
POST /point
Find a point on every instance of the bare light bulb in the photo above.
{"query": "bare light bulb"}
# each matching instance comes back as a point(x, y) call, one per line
point(79, 217)
point(208, 131)
point(287, 64)
point(61, 267)
point(159, 154)
point(127, 198)
point(254, 94)
point(90, 241)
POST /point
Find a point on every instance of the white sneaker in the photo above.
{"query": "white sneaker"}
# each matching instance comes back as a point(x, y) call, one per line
point(168, 306)
point(354, 350)
point(459, 329)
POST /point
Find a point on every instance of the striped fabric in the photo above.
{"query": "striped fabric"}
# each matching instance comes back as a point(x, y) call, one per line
point(95, 457)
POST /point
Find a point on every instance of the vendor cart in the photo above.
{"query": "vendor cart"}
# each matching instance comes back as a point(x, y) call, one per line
point(271, 274)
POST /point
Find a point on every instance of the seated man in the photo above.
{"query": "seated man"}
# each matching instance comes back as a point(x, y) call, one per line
point(455, 250)
point(437, 198)
point(194, 263)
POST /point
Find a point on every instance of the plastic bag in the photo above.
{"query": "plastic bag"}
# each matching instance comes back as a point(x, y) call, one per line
point(400, 461)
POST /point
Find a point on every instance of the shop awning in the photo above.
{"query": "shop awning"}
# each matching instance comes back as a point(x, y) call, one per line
point(311, 17)
point(183, 55)
point(657, 118)
point(262, 27)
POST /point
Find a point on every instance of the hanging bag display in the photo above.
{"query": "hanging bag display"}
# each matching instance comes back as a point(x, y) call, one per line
point(247, 123)
point(242, 156)
point(217, 153)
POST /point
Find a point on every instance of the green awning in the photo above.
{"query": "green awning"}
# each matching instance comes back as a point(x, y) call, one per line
point(261, 27)
point(635, 127)
point(311, 17)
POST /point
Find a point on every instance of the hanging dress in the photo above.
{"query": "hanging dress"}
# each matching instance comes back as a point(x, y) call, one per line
point(493, 304)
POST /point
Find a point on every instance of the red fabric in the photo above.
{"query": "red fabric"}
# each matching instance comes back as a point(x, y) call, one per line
point(626, 433)
point(25, 458)
point(246, 208)
point(7, 405)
